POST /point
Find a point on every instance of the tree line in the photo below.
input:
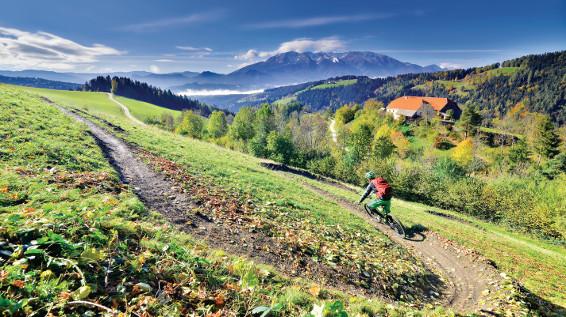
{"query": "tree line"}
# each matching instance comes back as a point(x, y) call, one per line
point(134, 89)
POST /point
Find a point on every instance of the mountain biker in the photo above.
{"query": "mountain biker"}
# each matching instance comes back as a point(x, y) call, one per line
point(382, 190)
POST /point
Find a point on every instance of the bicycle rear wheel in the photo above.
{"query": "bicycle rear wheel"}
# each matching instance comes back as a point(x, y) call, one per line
point(396, 225)
point(374, 214)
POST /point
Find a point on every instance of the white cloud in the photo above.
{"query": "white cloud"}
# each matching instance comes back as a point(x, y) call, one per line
point(174, 21)
point(164, 60)
point(154, 69)
point(298, 45)
point(42, 50)
point(318, 21)
point(217, 92)
point(448, 65)
point(195, 49)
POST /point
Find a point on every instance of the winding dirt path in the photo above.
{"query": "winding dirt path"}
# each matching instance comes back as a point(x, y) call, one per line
point(162, 191)
point(333, 133)
point(470, 279)
point(125, 109)
point(467, 279)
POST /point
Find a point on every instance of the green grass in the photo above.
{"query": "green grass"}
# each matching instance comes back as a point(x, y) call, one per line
point(146, 112)
point(502, 71)
point(537, 264)
point(67, 220)
point(99, 103)
point(461, 87)
point(286, 100)
point(96, 102)
point(340, 83)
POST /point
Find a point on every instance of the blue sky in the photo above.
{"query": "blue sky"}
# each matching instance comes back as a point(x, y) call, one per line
point(221, 36)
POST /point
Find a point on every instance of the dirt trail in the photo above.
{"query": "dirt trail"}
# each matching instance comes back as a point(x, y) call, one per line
point(125, 109)
point(332, 128)
point(162, 192)
point(467, 278)
point(470, 279)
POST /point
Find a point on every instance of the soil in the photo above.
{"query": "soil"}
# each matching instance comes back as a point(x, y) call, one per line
point(468, 275)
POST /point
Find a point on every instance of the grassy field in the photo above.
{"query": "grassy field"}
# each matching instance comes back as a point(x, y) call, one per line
point(146, 112)
point(340, 83)
point(538, 265)
point(461, 87)
point(99, 103)
point(73, 236)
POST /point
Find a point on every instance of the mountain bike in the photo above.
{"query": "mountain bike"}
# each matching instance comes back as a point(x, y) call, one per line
point(380, 216)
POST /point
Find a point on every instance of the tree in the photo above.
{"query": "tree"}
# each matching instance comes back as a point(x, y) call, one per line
point(242, 127)
point(168, 121)
point(519, 153)
point(464, 152)
point(546, 140)
point(345, 114)
point(114, 85)
point(359, 142)
point(217, 125)
point(469, 120)
point(401, 143)
point(191, 125)
point(280, 147)
point(382, 146)
point(264, 121)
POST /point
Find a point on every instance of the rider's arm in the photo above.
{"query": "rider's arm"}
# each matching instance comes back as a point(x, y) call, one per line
point(366, 194)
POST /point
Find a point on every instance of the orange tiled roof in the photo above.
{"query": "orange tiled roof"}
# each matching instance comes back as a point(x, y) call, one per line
point(415, 102)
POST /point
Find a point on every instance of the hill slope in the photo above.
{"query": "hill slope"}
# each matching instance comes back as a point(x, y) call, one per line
point(78, 242)
point(537, 80)
point(197, 158)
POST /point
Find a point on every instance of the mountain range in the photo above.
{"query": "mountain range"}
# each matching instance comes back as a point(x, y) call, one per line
point(281, 69)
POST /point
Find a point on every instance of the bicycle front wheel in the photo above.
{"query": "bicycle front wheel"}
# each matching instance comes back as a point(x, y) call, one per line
point(396, 225)
point(374, 214)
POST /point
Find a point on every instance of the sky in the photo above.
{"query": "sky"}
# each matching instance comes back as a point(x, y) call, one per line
point(221, 36)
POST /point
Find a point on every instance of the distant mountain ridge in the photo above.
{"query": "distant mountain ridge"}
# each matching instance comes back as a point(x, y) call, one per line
point(281, 69)
point(38, 83)
point(288, 67)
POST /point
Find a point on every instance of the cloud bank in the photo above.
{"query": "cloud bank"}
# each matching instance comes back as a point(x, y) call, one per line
point(21, 49)
point(217, 92)
point(298, 45)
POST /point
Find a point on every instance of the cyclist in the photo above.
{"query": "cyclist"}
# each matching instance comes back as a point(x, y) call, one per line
point(382, 190)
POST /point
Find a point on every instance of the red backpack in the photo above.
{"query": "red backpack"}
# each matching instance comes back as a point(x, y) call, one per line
point(382, 188)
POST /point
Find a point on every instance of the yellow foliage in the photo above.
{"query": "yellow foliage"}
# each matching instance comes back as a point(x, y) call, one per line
point(383, 131)
point(400, 142)
point(464, 152)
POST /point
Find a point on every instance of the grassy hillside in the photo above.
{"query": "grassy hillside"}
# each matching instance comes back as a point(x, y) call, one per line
point(291, 210)
point(147, 112)
point(539, 265)
point(99, 103)
point(77, 242)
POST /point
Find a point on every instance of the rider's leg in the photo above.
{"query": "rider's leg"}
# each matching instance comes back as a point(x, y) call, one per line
point(374, 204)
